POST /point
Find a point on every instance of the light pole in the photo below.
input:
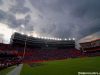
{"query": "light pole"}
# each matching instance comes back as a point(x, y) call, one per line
point(25, 47)
point(23, 27)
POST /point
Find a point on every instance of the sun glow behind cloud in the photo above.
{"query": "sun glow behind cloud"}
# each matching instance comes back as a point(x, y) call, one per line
point(34, 34)
point(90, 37)
point(6, 32)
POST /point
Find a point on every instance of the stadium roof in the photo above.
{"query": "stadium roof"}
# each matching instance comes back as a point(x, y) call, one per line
point(48, 38)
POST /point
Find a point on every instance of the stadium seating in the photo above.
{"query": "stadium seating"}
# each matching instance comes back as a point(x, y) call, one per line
point(45, 55)
point(36, 55)
point(8, 59)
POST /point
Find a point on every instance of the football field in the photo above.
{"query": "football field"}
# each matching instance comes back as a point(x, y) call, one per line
point(63, 67)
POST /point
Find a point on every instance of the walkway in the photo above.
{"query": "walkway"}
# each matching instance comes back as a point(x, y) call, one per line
point(16, 71)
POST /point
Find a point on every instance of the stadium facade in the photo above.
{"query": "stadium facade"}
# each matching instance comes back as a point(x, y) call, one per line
point(90, 46)
point(41, 43)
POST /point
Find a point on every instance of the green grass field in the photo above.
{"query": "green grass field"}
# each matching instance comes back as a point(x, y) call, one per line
point(63, 67)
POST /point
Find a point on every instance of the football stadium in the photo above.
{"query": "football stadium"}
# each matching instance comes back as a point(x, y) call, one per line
point(29, 55)
point(49, 37)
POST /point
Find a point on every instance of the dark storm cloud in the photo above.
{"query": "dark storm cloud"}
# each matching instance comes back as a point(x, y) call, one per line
point(9, 17)
point(19, 7)
point(58, 18)
point(72, 17)
point(2, 15)
point(1, 2)
point(89, 13)
point(20, 2)
point(27, 19)
point(54, 11)
point(11, 20)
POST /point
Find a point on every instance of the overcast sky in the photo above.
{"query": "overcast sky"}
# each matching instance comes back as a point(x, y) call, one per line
point(52, 18)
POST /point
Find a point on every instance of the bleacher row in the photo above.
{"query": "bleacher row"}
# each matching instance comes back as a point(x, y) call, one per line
point(34, 55)
point(44, 55)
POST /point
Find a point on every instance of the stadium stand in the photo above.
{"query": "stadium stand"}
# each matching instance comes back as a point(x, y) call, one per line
point(42, 49)
point(91, 48)
point(7, 57)
point(32, 49)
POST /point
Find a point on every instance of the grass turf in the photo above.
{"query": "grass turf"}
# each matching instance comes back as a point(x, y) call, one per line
point(5, 71)
point(64, 67)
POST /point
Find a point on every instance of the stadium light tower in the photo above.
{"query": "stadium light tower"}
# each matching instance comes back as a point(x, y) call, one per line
point(22, 33)
point(60, 39)
point(28, 34)
point(25, 46)
point(45, 37)
point(65, 39)
point(69, 38)
point(73, 38)
point(55, 38)
point(49, 38)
